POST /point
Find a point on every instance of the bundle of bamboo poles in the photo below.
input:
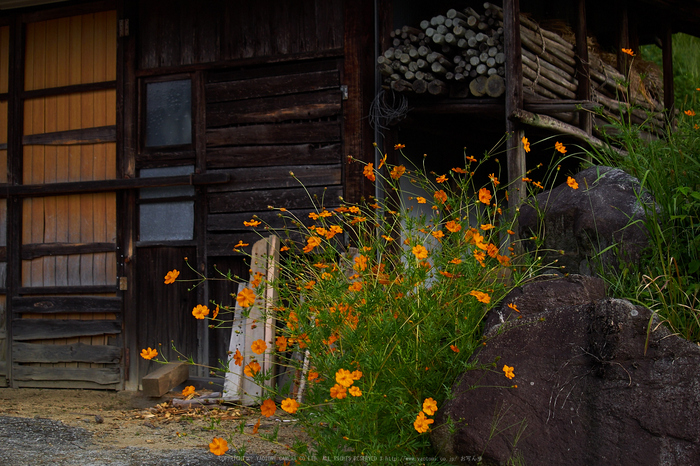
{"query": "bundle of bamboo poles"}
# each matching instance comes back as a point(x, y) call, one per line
point(457, 54)
point(461, 54)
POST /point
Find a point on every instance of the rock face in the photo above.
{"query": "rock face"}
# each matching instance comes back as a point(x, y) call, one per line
point(586, 221)
point(600, 382)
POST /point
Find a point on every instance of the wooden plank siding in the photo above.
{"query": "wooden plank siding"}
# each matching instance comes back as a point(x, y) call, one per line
point(69, 135)
point(4, 87)
point(262, 124)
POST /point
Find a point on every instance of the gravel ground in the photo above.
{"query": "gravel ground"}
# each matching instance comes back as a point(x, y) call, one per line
point(37, 442)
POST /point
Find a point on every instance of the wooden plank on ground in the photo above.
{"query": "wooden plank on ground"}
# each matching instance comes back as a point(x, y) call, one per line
point(43, 329)
point(76, 352)
point(101, 376)
point(165, 378)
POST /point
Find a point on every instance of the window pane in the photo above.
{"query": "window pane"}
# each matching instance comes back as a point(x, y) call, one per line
point(167, 221)
point(168, 113)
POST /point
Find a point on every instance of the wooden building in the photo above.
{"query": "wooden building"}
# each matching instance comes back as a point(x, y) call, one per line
point(137, 133)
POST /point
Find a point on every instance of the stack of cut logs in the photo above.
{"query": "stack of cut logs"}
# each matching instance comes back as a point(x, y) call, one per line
point(457, 54)
point(461, 54)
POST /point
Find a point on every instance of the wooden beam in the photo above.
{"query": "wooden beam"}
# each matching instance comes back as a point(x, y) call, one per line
point(84, 289)
point(101, 376)
point(71, 137)
point(80, 187)
point(66, 304)
point(75, 352)
point(32, 251)
point(165, 378)
point(47, 329)
point(73, 89)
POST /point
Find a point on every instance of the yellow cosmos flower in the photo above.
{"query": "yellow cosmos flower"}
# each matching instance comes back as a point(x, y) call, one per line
point(200, 311)
point(258, 347)
point(429, 406)
point(171, 276)
point(289, 405)
point(268, 408)
point(246, 297)
point(218, 446)
point(149, 353)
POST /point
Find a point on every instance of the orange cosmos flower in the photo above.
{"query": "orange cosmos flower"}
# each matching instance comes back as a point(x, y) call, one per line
point(338, 391)
point(629, 52)
point(487, 227)
point(560, 147)
point(311, 243)
point(187, 391)
point(399, 146)
point(281, 343)
point(397, 172)
point(268, 408)
point(508, 371)
point(289, 405)
point(200, 311)
point(369, 172)
point(421, 200)
point(360, 263)
point(514, 307)
point(440, 196)
point(572, 183)
point(246, 297)
point(149, 353)
point(238, 358)
point(454, 348)
point(420, 252)
point(470, 158)
point(356, 286)
point(456, 261)
point(441, 179)
point(251, 369)
point(313, 375)
point(422, 423)
point(171, 276)
point(526, 144)
point(355, 391)
point(429, 406)
point(218, 446)
point(481, 297)
point(344, 377)
point(252, 223)
point(453, 226)
point(459, 170)
point(485, 196)
point(258, 347)
point(493, 178)
point(690, 112)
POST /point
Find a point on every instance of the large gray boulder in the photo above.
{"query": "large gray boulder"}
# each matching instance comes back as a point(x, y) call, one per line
point(597, 225)
point(599, 382)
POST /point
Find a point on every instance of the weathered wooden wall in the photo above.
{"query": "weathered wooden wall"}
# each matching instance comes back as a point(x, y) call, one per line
point(263, 124)
point(183, 32)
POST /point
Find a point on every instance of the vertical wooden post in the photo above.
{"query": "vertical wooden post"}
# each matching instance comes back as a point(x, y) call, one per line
point(15, 118)
point(514, 102)
point(583, 66)
point(667, 57)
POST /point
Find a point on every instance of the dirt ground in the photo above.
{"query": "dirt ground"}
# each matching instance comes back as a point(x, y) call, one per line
point(127, 419)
